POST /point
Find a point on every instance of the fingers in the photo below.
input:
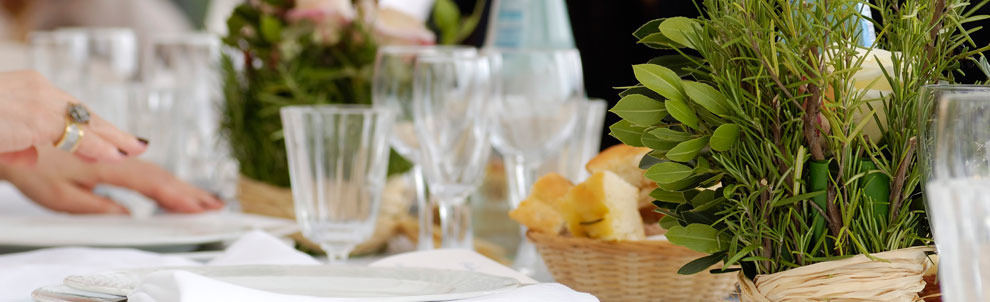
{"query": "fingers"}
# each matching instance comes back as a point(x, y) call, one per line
point(168, 191)
point(101, 140)
point(79, 201)
point(127, 144)
point(26, 157)
point(92, 147)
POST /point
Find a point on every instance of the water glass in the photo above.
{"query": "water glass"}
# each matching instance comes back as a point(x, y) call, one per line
point(450, 98)
point(392, 86)
point(187, 66)
point(583, 143)
point(338, 159)
point(60, 57)
point(536, 98)
point(958, 194)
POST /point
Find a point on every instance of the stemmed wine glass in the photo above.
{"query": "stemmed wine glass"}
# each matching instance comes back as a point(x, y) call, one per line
point(535, 104)
point(338, 159)
point(450, 98)
point(538, 94)
point(392, 86)
point(954, 128)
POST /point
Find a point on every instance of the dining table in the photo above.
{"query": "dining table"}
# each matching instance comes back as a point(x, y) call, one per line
point(255, 265)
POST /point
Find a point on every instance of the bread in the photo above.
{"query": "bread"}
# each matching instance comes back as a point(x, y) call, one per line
point(624, 160)
point(603, 207)
point(540, 211)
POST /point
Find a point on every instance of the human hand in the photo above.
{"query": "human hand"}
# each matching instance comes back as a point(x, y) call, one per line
point(34, 114)
point(61, 182)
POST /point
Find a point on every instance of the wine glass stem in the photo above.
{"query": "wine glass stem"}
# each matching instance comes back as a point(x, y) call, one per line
point(425, 207)
point(521, 175)
point(337, 252)
point(455, 222)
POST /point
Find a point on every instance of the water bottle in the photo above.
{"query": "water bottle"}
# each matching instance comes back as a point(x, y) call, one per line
point(529, 24)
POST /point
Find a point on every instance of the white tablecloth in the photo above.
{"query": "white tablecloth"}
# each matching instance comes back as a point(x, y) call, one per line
point(21, 273)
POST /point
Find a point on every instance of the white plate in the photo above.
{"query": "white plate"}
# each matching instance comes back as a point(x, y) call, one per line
point(358, 282)
point(124, 231)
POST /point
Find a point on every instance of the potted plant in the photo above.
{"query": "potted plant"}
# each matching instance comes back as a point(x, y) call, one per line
point(783, 139)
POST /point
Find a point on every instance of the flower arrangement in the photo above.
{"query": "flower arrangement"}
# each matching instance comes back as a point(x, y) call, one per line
point(291, 52)
point(779, 139)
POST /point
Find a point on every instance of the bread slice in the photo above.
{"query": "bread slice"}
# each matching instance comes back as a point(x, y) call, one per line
point(603, 207)
point(541, 210)
point(624, 160)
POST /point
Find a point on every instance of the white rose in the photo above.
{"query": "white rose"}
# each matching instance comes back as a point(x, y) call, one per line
point(394, 27)
point(322, 11)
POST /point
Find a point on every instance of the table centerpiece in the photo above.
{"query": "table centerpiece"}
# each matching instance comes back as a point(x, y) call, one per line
point(299, 52)
point(783, 137)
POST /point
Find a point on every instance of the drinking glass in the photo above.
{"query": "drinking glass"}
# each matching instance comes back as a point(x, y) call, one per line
point(958, 194)
point(537, 95)
point(583, 143)
point(60, 56)
point(187, 64)
point(450, 96)
point(392, 86)
point(338, 159)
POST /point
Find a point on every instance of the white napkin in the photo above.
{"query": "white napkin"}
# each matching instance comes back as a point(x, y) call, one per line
point(180, 286)
point(453, 259)
point(21, 273)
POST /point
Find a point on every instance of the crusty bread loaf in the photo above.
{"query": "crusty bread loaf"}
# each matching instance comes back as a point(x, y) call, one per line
point(541, 210)
point(624, 160)
point(603, 207)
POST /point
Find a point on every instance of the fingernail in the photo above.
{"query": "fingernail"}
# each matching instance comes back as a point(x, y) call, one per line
point(143, 141)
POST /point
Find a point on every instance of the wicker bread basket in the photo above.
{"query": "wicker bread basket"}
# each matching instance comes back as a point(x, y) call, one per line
point(629, 271)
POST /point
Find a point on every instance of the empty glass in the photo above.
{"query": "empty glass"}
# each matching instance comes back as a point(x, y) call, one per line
point(338, 159)
point(187, 65)
point(582, 144)
point(958, 194)
point(60, 57)
point(392, 87)
point(537, 96)
point(450, 96)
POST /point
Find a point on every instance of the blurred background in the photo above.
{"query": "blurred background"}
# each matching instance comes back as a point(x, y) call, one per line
point(602, 30)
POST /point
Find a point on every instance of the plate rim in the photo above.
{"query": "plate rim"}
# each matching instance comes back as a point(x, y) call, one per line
point(272, 225)
point(509, 283)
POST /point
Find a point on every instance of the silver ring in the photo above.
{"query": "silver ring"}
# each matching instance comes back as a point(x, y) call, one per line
point(71, 137)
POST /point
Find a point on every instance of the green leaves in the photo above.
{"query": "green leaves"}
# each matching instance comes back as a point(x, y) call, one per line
point(707, 96)
point(724, 137)
point(447, 18)
point(687, 150)
point(700, 264)
point(699, 237)
point(640, 110)
point(682, 112)
point(681, 30)
point(628, 133)
point(660, 79)
point(668, 172)
point(670, 135)
point(271, 29)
